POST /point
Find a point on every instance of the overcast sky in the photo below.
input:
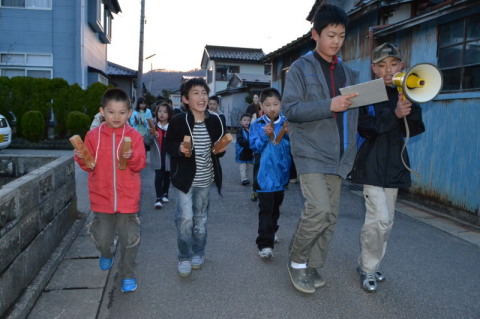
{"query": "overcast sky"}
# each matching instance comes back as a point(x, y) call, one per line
point(178, 30)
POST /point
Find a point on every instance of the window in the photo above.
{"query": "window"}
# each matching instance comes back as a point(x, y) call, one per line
point(459, 54)
point(223, 72)
point(29, 4)
point(26, 64)
point(267, 69)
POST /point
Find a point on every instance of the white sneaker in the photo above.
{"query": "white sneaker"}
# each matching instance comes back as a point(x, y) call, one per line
point(158, 204)
point(165, 199)
point(266, 253)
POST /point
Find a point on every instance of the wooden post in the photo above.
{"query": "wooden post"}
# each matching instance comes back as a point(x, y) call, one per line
point(87, 158)
point(187, 143)
point(126, 146)
point(227, 138)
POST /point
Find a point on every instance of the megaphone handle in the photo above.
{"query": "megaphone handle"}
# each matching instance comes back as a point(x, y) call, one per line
point(407, 137)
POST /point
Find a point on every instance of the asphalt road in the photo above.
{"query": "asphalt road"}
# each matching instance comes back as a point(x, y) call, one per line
point(430, 273)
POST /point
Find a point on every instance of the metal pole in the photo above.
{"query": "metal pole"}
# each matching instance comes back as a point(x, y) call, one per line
point(140, 53)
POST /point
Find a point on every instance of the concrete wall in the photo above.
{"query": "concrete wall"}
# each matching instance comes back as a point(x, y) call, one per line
point(36, 211)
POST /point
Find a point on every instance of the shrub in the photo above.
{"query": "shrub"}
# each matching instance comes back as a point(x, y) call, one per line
point(33, 125)
point(78, 123)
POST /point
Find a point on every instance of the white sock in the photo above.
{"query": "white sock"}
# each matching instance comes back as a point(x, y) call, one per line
point(298, 266)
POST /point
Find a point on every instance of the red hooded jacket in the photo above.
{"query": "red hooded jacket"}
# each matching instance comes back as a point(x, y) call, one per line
point(111, 189)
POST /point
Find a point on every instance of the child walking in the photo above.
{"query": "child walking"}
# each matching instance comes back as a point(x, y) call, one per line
point(273, 167)
point(243, 152)
point(115, 193)
point(159, 158)
point(139, 120)
point(196, 169)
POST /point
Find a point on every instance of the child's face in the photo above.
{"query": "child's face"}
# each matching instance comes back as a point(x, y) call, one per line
point(245, 121)
point(271, 107)
point(329, 41)
point(386, 69)
point(255, 99)
point(142, 106)
point(213, 106)
point(116, 113)
point(162, 114)
point(197, 99)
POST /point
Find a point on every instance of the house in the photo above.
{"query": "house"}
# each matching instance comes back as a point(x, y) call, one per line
point(444, 33)
point(239, 88)
point(56, 39)
point(122, 77)
point(226, 65)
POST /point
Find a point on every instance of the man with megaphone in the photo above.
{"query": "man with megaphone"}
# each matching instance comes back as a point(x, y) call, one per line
point(379, 162)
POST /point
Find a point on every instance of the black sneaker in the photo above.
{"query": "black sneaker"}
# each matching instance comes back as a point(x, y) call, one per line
point(245, 182)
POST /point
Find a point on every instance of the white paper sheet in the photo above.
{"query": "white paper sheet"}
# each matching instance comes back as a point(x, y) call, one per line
point(371, 92)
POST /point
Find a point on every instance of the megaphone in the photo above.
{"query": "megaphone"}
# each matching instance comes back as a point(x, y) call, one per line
point(421, 83)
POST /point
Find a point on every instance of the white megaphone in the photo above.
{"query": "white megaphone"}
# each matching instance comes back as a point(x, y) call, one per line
point(421, 83)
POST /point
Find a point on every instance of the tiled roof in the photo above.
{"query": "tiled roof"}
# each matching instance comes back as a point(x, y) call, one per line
point(114, 69)
point(234, 54)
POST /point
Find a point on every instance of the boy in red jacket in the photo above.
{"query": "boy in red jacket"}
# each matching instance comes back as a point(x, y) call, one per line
point(115, 193)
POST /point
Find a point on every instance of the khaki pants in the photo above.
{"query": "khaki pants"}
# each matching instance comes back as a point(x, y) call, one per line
point(380, 211)
point(245, 171)
point(103, 230)
point(318, 219)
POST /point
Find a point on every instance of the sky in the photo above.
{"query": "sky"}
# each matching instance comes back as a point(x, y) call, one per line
point(176, 31)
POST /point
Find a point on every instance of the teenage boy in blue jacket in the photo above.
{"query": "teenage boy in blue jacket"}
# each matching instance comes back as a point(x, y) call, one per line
point(272, 168)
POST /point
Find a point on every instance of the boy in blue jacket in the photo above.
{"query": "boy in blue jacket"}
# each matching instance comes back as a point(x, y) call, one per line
point(272, 169)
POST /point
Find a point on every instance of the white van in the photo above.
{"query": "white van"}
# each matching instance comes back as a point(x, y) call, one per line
point(5, 133)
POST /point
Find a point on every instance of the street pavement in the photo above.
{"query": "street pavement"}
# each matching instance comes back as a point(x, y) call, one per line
point(432, 265)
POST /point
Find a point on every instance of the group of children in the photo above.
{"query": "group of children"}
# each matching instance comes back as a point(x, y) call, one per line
point(322, 129)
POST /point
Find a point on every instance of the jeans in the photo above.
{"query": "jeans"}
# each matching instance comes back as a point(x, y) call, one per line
point(318, 220)
point(191, 218)
point(102, 231)
point(162, 182)
point(269, 212)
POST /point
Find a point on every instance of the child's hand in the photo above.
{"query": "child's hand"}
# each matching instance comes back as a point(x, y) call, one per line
point(268, 129)
point(78, 153)
point(127, 154)
point(187, 152)
point(404, 107)
point(341, 103)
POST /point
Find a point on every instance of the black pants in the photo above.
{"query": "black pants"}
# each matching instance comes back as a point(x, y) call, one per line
point(162, 182)
point(269, 205)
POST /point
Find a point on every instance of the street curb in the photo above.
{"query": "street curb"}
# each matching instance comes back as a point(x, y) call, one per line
point(27, 300)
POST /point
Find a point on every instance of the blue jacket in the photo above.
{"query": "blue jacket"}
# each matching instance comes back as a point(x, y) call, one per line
point(273, 167)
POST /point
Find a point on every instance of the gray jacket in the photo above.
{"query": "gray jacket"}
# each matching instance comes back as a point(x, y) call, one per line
point(314, 136)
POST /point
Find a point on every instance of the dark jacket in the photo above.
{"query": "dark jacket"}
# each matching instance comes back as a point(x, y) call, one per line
point(378, 161)
point(184, 167)
point(243, 152)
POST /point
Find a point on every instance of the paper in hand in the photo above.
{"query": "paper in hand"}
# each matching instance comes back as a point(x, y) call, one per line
point(370, 92)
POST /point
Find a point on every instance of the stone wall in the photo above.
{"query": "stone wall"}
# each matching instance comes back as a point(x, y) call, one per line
point(36, 211)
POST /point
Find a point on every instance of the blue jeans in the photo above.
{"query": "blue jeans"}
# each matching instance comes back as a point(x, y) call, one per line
point(191, 219)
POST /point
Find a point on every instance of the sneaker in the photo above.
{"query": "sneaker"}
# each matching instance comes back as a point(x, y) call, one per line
point(197, 262)
point(254, 197)
point(301, 280)
point(158, 204)
point(245, 182)
point(378, 275)
point(129, 285)
point(184, 268)
point(368, 282)
point(105, 263)
point(276, 240)
point(266, 253)
point(293, 180)
point(318, 281)
point(165, 199)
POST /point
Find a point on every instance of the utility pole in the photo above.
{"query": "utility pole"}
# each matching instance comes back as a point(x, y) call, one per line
point(140, 53)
